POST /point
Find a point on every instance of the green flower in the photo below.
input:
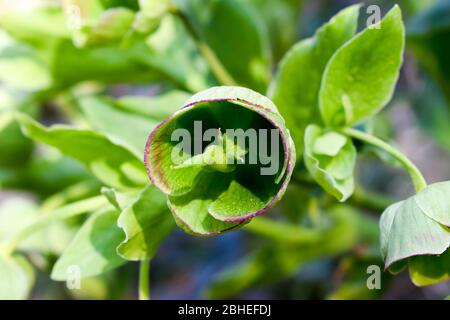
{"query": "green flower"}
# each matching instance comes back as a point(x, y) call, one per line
point(415, 233)
point(225, 157)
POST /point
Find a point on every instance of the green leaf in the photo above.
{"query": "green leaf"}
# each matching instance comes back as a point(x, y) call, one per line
point(330, 159)
point(111, 163)
point(146, 223)
point(93, 250)
point(434, 202)
point(358, 82)
point(417, 229)
point(16, 277)
point(295, 90)
point(157, 108)
point(21, 68)
point(15, 148)
point(413, 233)
point(109, 64)
point(194, 210)
point(52, 172)
point(386, 221)
point(123, 128)
point(17, 213)
point(34, 24)
point(231, 27)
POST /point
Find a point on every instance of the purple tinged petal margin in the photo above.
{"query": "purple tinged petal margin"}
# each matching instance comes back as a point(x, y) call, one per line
point(289, 150)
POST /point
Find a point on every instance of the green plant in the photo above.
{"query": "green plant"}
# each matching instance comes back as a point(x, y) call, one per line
point(327, 92)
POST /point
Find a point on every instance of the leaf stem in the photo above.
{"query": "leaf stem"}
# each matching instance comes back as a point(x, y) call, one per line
point(415, 174)
point(282, 231)
point(370, 200)
point(144, 281)
point(62, 213)
point(361, 198)
point(219, 71)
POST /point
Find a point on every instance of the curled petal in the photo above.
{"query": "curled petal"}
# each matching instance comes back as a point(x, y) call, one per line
point(206, 194)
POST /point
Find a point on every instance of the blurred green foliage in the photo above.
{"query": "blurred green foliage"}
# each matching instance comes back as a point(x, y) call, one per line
point(82, 84)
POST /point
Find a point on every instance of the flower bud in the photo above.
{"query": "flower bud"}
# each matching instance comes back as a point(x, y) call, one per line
point(225, 157)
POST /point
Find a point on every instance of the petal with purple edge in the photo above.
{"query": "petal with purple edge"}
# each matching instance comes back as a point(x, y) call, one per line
point(208, 199)
point(191, 209)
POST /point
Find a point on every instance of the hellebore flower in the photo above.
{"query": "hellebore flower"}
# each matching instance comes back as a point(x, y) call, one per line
point(416, 233)
point(225, 157)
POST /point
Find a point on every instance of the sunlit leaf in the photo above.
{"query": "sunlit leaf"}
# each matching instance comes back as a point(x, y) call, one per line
point(295, 90)
point(17, 213)
point(361, 76)
point(93, 250)
point(21, 68)
point(109, 64)
point(35, 24)
point(126, 129)
point(111, 163)
point(16, 277)
point(417, 230)
point(157, 107)
point(146, 222)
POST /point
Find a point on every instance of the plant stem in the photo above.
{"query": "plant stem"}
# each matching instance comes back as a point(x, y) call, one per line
point(282, 231)
point(144, 283)
point(370, 200)
point(415, 174)
point(220, 72)
point(62, 213)
point(361, 198)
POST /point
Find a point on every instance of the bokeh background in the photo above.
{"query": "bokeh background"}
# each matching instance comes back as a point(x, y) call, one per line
point(240, 264)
